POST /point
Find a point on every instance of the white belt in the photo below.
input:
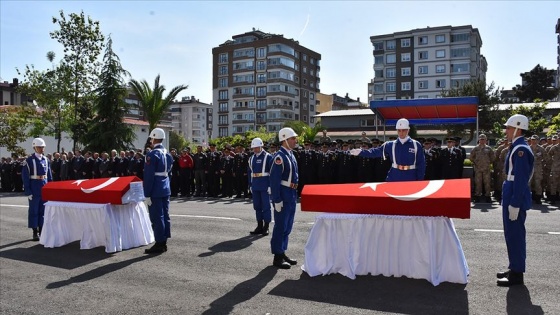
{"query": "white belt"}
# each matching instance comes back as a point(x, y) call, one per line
point(510, 178)
point(288, 184)
point(38, 176)
point(259, 174)
point(404, 167)
point(164, 174)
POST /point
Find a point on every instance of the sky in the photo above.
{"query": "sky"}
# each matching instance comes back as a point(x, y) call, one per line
point(175, 38)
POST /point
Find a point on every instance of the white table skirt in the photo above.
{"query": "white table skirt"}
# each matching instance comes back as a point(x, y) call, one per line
point(116, 227)
point(415, 247)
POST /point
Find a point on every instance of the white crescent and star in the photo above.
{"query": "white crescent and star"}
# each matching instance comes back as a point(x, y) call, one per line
point(432, 187)
point(98, 187)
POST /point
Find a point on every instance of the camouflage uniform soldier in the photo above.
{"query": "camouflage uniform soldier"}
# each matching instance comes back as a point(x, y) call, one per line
point(537, 179)
point(547, 169)
point(497, 174)
point(554, 154)
point(482, 157)
point(503, 155)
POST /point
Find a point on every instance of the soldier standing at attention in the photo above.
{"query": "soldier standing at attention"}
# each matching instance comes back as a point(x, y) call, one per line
point(259, 182)
point(35, 174)
point(516, 199)
point(325, 138)
point(157, 190)
point(498, 169)
point(482, 157)
point(554, 180)
point(540, 160)
point(283, 188)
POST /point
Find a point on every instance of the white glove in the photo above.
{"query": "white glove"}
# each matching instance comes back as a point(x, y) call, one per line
point(278, 206)
point(30, 197)
point(355, 151)
point(148, 201)
point(250, 190)
point(268, 191)
point(513, 213)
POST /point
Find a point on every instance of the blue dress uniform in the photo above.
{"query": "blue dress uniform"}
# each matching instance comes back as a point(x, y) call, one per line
point(408, 162)
point(35, 174)
point(259, 181)
point(516, 192)
point(156, 184)
point(283, 188)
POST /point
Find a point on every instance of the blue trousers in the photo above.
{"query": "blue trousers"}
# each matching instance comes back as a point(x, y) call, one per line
point(159, 216)
point(283, 222)
point(36, 212)
point(514, 232)
point(261, 204)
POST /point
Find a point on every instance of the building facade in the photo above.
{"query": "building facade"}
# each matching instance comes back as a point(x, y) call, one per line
point(421, 63)
point(192, 119)
point(262, 80)
point(558, 56)
point(9, 95)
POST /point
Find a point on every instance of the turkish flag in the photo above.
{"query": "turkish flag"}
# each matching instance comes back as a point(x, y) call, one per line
point(450, 198)
point(99, 190)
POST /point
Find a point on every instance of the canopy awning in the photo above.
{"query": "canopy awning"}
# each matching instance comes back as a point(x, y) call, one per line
point(434, 111)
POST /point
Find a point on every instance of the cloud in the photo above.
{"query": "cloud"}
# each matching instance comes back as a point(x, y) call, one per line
point(305, 26)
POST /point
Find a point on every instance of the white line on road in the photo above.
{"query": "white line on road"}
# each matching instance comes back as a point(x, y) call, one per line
point(554, 233)
point(203, 217)
point(486, 230)
point(15, 206)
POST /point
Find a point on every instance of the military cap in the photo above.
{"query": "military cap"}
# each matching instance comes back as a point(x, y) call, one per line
point(534, 137)
point(450, 139)
point(458, 139)
point(421, 140)
point(543, 139)
point(212, 145)
point(345, 144)
point(375, 140)
point(482, 136)
point(306, 142)
point(273, 145)
point(555, 137)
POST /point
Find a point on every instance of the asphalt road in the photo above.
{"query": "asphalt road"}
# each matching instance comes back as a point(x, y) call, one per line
point(214, 266)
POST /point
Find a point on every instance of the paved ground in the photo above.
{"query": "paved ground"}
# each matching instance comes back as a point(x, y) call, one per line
point(214, 266)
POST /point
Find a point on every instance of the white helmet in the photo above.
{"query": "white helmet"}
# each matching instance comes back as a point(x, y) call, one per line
point(157, 133)
point(518, 121)
point(38, 142)
point(402, 124)
point(256, 143)
point(286, 133)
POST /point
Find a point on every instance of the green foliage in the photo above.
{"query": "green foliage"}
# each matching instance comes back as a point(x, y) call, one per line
point(177, 141)
point(554, 126)
point(304, 131)
point(152, 101)
point(538, 85)
point(260, 133)
point(14, 121)
point(535, 113)
point(107, 130)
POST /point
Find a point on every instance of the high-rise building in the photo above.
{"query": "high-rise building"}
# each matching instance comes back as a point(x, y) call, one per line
point(192, 119)
point(421, 63)
point(262, 80)
point(558, 57)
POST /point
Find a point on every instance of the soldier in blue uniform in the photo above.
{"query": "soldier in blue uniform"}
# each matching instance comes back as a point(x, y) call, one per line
point(516, 199)
point(35, 174)
point(283, 187)
point(406, 155)
point(157, 190)
point(259, 182)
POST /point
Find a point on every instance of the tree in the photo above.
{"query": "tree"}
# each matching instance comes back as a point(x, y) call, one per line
point(152, 101)
point(535, 114)
point(488, 114)
point(538, 85)
point(13, 124)
point(177, 141)
point(83, 42)
point(554, 127)
point(107, 129)
point(304, 131)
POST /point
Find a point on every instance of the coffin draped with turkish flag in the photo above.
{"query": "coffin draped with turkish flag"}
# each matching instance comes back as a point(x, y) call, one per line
point(450, 198)
point(114, 190)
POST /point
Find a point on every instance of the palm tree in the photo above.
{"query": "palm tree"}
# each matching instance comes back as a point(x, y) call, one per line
point(152, 101)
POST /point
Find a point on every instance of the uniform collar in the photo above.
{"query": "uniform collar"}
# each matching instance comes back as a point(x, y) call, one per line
point(39, 156)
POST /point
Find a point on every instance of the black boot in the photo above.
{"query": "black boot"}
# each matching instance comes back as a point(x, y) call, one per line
point(513, 278)
point(35, 235)
point(488, 199)
point(39, 230)
point(538, 199)
point(502, 274)
point(158, 248)
point(280, 263)
point(553, 199)
point(259, 228)
point(265, 229)
point(292, 262)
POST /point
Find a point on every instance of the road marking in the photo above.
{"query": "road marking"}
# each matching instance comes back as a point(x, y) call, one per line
point(487, 230)
point(203, 217)
point(554, 233)
point(15, 206)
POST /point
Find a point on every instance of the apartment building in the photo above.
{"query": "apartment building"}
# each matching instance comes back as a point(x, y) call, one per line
point(192, 119)
point(262, 80)
point(420, 63)
point(558, 55)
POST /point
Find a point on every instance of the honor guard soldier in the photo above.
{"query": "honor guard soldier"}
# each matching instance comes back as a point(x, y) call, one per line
point(482, 157)
point(283, 188)
point(406, 155)
point(157, 190)
point(516, 199)
point(259, 181)
point(35, 174)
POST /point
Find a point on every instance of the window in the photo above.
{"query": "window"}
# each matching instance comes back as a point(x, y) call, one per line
point(440, 68)
point(223, 95)
point(378, 74)
point(261, 52)
point(223, 107)
point(261, 91)
point(459, 83)
point(261, 78)
point(405, 86)
point(461, 67)
point(423, 84)
point(422, 40)
point(261, 104)
point(311, 96)
point(391, 72)
point(422, 96)
point(378, 46)
point(261, 65)
point(405, 42)
point(223, 119)
point(422, 69)
point(378, 60)
point(378, 87)
point(440, 53)
point(367, 122)
point(312, 61)
point(422, 55)
point(405, 57)
point(223, 58)
point(440, 83)
point(440, 38)
point(304, 69)
point(223, 132)
point(405, 72)
point(391, 44)
point(464, 37)
point(391, 87)
point(304, 57)
point(223, 70)
point(391, 58)
point(460, 52)
point(222, 82)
